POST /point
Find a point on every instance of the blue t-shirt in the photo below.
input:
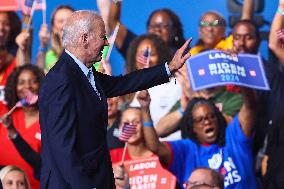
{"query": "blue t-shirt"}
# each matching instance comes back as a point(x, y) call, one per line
point(234, 160)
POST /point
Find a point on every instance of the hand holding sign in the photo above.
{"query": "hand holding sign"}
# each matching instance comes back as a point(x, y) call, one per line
point(121, 176)
point(217, 68)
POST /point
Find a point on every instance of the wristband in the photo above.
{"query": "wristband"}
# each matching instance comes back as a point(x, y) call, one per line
point(180, 110)
point(148, 124)
point(43, 49)
point(280, 11)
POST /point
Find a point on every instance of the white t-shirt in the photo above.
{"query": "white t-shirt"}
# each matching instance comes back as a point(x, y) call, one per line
point(163, 97)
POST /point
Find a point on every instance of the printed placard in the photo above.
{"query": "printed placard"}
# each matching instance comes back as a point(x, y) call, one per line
point(217, 68)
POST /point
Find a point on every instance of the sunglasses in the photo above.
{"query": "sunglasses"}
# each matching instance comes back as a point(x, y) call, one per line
point(213, 24)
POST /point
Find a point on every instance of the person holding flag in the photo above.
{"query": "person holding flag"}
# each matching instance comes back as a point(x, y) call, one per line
point(47, 57)
point(20, 134)
point(147, 51)
point(131, 134)
point(131, 127)
point(10, 27)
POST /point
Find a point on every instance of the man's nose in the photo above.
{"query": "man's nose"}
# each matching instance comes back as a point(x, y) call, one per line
point(242, 42)
point(209, 28)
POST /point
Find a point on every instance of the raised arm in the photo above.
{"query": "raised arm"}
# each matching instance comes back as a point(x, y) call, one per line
point(247, 12)
point(248, 111)
point(44, 37)
point(151, 138)
point(103, 6)
point(24, 41)
point(113, 19)
point(143, 79)
point(168, 123)
point(277, 24)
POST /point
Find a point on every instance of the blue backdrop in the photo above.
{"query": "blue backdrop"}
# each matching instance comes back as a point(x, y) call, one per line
point(135, 14)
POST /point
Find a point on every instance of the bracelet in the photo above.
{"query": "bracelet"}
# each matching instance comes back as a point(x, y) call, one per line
point(148, 124)
point(280, 11)
point(43, 49)
point(180, 110)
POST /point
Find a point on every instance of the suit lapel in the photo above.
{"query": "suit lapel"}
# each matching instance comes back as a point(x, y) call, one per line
point(80, 75)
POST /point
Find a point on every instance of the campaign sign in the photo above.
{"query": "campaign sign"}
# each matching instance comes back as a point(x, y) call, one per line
point(217, 68)
point(148, 173)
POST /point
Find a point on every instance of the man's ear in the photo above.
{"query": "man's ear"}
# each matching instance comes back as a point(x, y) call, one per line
point(84, 39)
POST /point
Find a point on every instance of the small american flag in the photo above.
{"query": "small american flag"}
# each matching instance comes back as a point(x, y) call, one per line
point(29, 99)
point(27, 6)
point(127, 131)
point(144, 58)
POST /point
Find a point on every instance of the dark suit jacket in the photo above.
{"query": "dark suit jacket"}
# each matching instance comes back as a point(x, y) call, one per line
point(73, 122)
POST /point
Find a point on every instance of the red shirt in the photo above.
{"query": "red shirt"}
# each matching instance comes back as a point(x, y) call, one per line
point(116, 155)
point(3, 77)
point(144, 172)
point(32, 135)
point(5, 74)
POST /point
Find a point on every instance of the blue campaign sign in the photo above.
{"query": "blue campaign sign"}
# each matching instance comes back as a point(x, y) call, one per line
point(217, 68)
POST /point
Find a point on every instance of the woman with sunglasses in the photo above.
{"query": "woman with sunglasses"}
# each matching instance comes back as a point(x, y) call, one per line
point(211, 143)
point(212, 27)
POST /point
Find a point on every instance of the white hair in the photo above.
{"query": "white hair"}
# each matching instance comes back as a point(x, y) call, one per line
point(73, 29)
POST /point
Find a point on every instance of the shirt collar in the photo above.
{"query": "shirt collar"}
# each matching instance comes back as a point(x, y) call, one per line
point(82, 66)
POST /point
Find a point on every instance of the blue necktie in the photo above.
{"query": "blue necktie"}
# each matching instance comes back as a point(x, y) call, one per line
point(91, 79)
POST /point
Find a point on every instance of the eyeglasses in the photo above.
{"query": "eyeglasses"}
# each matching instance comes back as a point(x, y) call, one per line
point(159, 26)
point(201, 119)
point(213, 24)
point(197, 185)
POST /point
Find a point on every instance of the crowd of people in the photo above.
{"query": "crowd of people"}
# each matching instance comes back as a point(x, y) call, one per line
point(219, 137)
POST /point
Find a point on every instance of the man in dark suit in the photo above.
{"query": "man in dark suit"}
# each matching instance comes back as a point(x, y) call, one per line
point(73, 106)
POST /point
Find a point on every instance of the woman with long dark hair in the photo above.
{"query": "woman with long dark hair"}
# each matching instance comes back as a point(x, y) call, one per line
point(20, 134)
point(210, 143)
